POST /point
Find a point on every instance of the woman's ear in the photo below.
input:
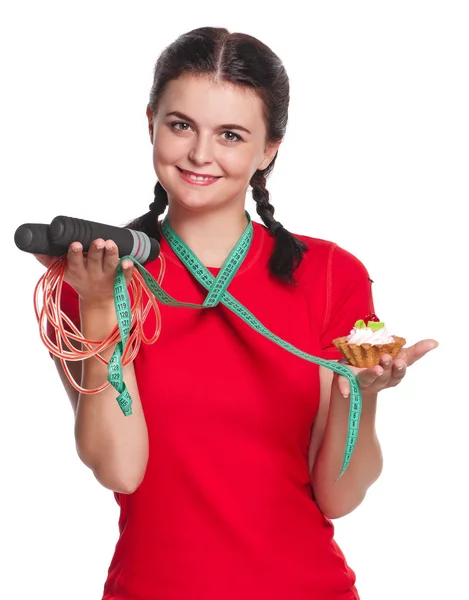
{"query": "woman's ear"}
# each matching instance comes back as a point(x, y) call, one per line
point(269, 154)
point(150, 123)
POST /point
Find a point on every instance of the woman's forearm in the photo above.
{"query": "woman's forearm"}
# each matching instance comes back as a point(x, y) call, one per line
point(338, 498)
point(113, 445)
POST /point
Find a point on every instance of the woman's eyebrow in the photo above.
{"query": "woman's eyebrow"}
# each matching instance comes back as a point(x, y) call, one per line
point(184, 117)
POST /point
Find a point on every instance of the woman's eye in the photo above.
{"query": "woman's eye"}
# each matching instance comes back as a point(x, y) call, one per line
point(180, 126)
point(228, 136)
point(231, 137)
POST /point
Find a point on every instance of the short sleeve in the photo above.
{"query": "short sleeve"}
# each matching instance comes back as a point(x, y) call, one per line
point(348, 298)
point(70, 305)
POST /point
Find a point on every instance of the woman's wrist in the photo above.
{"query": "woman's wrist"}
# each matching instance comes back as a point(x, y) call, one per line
point(100, 306)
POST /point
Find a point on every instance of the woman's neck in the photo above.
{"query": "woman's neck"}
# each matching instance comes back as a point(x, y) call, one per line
point(210, 235)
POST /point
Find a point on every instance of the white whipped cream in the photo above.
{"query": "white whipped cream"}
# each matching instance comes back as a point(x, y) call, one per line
point(368, 336)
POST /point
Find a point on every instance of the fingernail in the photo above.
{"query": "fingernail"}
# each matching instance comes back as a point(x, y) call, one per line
point(400, 368)
point(345, 396)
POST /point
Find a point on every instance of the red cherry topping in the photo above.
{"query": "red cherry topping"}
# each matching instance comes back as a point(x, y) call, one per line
point(373, 318)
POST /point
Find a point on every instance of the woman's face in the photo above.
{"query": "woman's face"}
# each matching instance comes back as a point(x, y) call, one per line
point(209, 138)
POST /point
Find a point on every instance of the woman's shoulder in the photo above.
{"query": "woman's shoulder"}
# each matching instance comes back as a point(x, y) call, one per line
point(322, 256)
point(331, 257)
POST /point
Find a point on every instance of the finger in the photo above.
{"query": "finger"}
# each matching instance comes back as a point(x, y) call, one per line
point(386, 363)
point(399, 370)
point(75, 259)
point(128, 268)
point(368, 376)
point(417, 351)
point(344, 386)
point(94, 258)
point(111, 256)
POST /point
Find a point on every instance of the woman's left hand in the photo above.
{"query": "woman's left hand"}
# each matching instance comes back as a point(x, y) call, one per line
point(389, 372)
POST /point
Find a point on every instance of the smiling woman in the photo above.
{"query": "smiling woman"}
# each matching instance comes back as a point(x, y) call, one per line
point(230, 94)
point(201, 146)
point(225, 473)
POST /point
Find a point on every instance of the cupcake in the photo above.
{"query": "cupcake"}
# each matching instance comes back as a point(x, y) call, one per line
point(367, 342)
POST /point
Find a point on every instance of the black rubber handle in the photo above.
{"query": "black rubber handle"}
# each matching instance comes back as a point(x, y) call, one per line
point(54, 239)
point(34, 238)
point(65, 230)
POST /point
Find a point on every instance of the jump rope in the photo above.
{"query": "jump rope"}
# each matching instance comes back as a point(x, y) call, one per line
point(54, 240)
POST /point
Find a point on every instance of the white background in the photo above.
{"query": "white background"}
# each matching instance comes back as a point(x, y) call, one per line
point(375, 158)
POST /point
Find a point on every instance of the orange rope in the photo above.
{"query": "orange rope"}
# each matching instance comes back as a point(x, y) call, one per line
point(48, 310)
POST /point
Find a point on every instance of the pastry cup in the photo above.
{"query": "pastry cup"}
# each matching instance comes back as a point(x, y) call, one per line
point(367, 355)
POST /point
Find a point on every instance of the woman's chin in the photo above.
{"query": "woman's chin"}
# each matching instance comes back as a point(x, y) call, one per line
point(193, 205)
point(194, 202)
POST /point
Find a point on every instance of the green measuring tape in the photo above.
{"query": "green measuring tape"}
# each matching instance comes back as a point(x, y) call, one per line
point(217, 293)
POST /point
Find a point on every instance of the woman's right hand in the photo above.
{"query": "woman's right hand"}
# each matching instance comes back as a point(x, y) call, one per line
point(92, 274)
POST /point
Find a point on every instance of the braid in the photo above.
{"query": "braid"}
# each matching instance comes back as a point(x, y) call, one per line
point(148, 223)
point(262, 198)
point(289, 250)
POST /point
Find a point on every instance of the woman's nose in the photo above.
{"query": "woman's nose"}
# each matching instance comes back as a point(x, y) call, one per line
point(201, 151)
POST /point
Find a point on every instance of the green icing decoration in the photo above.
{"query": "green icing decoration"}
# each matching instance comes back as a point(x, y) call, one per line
point(375, 326)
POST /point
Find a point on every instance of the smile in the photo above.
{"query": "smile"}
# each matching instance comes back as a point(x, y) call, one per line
point(196, 179)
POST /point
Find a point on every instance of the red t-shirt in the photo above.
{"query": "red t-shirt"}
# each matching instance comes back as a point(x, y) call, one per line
point(225, 510)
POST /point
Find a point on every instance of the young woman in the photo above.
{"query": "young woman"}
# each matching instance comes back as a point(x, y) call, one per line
point(225, 471)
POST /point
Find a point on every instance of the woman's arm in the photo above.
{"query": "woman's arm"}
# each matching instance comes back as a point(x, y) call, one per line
point(327, 447)
point(113, 446)
point(329, 432)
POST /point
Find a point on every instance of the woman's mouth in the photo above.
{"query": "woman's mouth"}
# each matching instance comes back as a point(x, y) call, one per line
point(197, 178)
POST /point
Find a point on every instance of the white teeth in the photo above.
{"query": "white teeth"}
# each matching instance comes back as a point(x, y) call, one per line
point(197, 177)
